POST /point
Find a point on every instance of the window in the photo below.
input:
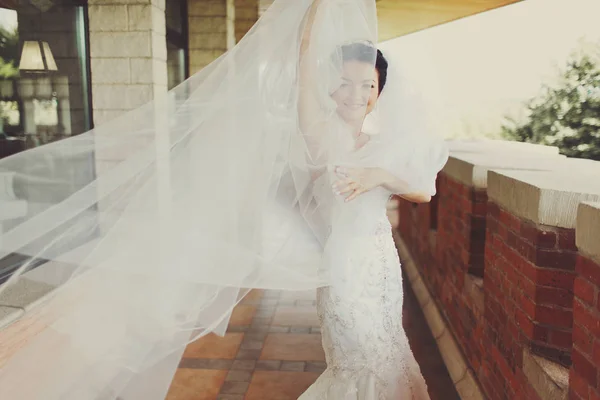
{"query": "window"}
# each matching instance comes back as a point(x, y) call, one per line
point(177, 42)
point(44, 93)
point(44, 84)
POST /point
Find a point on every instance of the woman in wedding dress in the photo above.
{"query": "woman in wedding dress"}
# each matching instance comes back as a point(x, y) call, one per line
point(360, 311)
point(269, 169)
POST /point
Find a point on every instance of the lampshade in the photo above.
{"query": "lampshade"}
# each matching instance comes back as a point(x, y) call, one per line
point(37, 57)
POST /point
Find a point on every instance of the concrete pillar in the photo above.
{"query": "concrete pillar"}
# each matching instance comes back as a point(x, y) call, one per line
point(128, 53)
point(211, 31)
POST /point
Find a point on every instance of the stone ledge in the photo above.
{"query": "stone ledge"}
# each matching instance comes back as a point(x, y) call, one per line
point(588, 229)
point(488, 145)
point(472, 169)
point(550, 380)
point(544, 197)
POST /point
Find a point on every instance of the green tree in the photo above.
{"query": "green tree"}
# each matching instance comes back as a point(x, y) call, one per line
point(565, 115)
point(9, 53)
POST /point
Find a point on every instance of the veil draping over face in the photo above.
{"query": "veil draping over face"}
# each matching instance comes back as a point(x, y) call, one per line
point(220, 186)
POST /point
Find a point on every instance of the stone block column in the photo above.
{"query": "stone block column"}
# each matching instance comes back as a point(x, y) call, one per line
point(128, 55)
point(211, 31)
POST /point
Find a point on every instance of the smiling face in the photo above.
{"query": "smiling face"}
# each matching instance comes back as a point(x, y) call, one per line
point(358, 92)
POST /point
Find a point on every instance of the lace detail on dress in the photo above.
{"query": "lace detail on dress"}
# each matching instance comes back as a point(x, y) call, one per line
point(367, 352)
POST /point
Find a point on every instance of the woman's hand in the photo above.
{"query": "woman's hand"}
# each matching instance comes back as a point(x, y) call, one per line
point(355, 181)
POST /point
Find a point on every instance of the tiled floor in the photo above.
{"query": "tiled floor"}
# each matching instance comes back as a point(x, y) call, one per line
point(272, 351)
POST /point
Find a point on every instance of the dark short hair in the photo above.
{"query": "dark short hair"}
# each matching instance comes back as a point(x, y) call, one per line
point(366, 53)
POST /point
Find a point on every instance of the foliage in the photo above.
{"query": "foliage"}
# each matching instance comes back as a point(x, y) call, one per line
point(566, 115)
point(9, 53)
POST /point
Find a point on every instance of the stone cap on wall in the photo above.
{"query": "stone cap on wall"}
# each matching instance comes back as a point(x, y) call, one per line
point(545, 197)
point(588, 229)
point(471, 169)
point(484, 145)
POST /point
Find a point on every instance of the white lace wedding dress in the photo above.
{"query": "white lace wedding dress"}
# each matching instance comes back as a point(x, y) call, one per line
point(367, 351)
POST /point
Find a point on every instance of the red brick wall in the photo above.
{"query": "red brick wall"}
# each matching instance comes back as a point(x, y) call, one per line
point(528, 275)
point(449, 253)
point(414, 226)
point(461, 223)
point(460, 241)
point(584, 377)
point(530, 272)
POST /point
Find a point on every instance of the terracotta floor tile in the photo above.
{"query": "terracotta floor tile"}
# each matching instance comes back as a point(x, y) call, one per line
point(205, 363)
point(316, 366)
point(299, 295)
point(243, 365)
point(196, 384)
point(242, 315)
point(289, 362)
point(293, 347)
point(230, 397)
point(296, 316)
point(231, 387)
point(268, 365)
point(278, 385)
point(279, 329)
point(213, 346)
point(297, 366)
point(253, 296)
point(239, 376)
point(272, 294)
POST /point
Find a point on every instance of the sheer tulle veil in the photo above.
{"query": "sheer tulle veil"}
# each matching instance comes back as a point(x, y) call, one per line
point(207, 192)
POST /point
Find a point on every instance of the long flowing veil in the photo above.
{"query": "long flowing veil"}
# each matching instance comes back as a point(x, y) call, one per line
point(220, 186)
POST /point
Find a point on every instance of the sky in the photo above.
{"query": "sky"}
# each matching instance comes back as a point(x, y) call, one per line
point(476, 70)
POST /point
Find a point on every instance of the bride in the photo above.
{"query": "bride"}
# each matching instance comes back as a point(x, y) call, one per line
point(271, 169)
point(360, 311)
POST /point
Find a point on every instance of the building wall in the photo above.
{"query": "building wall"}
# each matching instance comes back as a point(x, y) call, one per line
point(215, 26)
point(128, 55)
point(211, 31)
point(246, 15)
point(128, 47)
